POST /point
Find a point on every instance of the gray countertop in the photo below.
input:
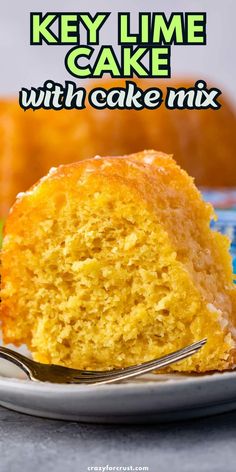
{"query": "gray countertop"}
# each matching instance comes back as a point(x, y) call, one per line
point(41, 445)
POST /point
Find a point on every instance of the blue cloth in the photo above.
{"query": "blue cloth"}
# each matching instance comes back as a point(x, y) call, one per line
point(224, 202)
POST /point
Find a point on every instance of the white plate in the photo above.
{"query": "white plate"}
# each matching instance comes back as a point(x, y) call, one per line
point(155, 398)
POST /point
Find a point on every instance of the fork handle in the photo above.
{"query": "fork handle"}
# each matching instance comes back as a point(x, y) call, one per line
point(16, 358)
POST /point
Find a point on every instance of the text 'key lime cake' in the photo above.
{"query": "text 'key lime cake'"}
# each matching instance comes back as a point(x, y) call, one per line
point(109, 262)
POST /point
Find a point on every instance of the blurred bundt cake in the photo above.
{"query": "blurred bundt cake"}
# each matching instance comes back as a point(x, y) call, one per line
point(111, 261)
point(13, 154)
point(203, 141)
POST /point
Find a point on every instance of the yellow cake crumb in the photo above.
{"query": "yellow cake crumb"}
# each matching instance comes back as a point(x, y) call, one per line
point(110, 262)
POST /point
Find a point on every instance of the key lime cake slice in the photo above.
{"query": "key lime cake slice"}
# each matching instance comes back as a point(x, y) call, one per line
point(110, 262)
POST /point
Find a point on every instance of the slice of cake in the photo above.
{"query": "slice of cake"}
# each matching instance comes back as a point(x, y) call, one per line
point(111, 261)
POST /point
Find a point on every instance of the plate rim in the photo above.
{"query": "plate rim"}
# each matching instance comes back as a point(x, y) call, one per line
point(137, 385)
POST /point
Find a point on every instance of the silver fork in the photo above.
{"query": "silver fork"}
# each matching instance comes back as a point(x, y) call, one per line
point(59, 374)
